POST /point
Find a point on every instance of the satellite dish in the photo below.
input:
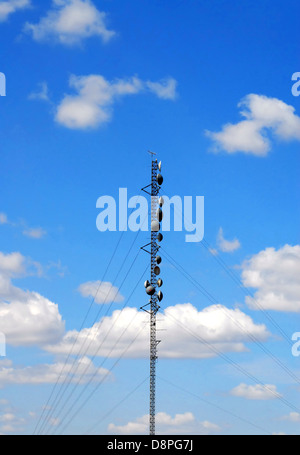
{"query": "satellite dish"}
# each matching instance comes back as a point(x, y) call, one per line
point(159, 179)
point(146, 284)
point(161, 201)
point(158, 259)
point(160, 237)
point(159, 166)
point(150, 290)
point(159, 282)
point(157, 270)
point(159, 214)
point(155, 226)
point(160, 296)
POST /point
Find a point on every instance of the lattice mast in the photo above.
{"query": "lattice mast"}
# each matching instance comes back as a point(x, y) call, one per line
point(155, 282)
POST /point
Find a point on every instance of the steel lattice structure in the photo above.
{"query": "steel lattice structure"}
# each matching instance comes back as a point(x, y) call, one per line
point(155, 282)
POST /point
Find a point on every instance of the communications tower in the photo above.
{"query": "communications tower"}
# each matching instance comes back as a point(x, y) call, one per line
point(153, 285)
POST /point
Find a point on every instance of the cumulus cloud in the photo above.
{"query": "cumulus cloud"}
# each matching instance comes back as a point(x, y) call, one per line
point(224, 329)
point(94, 97)
point(227, 246)
point(256, 392)
point(265, 118)
point(26, 317)
point(101, 292)
point(12, 264)
point(9, 7)
point(30, 319)
point(275, 275)
point(91, 106)
point(69, 22)
point(82, 370)
point(166, 424)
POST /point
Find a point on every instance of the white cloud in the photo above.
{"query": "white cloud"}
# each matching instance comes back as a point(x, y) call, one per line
point(29, 319)
point(10, 423)
point(91, 106)
point(3, 218)
point(227, 246)
point(275, 274)
point(82, 370)
point(101, 292)
point(166, 424)
point(69, 22)
point(41, 94)
point(8, 417)
point(11, 265)
point(26, 317)
point(218, 326)
point(9, 7)
point(264, 118)
point(164, 89)
point(95, 96)
point(35, 233)
point(292, 417)
point(256, 392)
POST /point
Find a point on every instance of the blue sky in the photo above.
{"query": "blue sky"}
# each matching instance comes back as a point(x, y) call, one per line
point(91, 86)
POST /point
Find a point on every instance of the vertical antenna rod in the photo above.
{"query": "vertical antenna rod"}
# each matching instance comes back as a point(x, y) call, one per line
point(155, 282)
